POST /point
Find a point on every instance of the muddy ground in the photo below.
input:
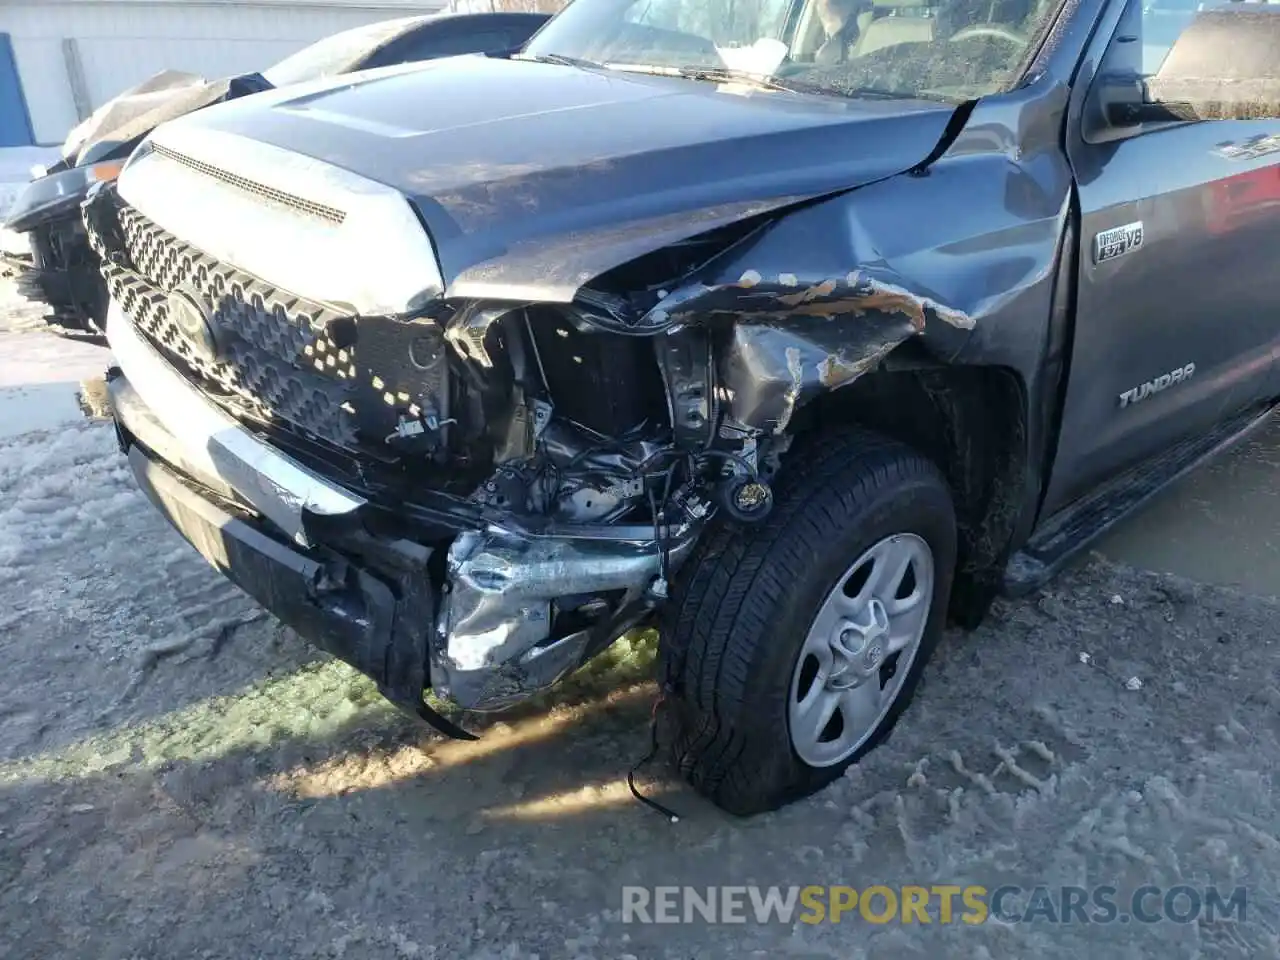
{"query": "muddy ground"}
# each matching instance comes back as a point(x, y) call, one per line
point(181, 777)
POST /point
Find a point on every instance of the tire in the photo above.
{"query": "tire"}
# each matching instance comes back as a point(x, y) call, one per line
point(743, 604)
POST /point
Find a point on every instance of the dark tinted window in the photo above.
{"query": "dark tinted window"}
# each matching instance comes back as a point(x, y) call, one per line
point(453, 39)
point(430, 47)
point(334, 54)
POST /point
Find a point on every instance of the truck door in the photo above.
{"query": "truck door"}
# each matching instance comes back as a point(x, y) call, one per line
point(1177, 314)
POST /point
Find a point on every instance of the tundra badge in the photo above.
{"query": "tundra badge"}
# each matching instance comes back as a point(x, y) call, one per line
point(1117, 241)
point(1152, 387)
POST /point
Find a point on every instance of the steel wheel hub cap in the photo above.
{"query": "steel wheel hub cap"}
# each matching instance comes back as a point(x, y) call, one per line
point(859, 650)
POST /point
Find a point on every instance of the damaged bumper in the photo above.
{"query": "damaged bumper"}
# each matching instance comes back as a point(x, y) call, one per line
point(50, 269)
point(509, 611)
point(35, 284)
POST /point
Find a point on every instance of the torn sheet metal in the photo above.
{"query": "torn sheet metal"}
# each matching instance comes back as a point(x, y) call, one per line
point(854, 294)
point(468, 328)
point(772, 371)
point(791, 341)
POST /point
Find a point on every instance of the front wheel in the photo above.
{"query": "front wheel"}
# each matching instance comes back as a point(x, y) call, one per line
point(792, 647)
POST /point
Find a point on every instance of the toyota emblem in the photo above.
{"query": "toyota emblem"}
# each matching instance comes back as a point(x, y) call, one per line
point(189, 313)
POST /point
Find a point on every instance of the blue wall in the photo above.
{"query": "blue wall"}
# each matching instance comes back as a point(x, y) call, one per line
point(15, 123)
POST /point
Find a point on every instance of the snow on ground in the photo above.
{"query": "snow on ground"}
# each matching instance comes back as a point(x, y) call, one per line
point(18, 314)
point(181, 777)
point(39, 379)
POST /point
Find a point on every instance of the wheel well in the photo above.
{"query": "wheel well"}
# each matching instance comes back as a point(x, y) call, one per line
point(972, 423)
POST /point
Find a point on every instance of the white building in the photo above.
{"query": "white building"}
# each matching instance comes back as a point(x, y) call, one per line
point(72, 55)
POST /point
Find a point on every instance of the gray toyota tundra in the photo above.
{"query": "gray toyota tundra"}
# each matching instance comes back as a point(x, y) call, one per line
point(798, 327)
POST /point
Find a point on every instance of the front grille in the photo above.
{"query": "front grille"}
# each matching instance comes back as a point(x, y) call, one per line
point(276, 358)
point(279, 359)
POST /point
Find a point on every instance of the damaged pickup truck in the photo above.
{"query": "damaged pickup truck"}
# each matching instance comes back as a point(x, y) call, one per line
point(798, 328)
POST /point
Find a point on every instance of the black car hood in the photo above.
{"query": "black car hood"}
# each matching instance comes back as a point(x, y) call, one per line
point(537, 176)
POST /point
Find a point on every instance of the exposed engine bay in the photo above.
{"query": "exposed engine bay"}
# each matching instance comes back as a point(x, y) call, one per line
point(615, 446)
point(581, 426)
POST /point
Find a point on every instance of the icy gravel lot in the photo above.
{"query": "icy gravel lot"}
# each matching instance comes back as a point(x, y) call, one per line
point(180, 777)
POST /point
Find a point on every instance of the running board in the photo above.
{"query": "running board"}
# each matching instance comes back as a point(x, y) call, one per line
point(1074, 528)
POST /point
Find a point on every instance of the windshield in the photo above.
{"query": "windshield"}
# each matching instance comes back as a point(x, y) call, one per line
point(336, 54)
point(934, 49)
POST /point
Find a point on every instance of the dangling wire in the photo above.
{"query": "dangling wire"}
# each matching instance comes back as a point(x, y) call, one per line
point(653, 752)
point(658, 539)
point(658, 508)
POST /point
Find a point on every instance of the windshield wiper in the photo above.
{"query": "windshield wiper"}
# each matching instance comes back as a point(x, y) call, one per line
point(880, 93)
point(877, 92)
point(559, 58)
point(719, 75)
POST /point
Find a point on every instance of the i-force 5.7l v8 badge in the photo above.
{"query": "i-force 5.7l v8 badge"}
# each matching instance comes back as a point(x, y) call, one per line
point(1117, 241)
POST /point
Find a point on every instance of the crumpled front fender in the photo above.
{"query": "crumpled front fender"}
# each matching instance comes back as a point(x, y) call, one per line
point(804, 307)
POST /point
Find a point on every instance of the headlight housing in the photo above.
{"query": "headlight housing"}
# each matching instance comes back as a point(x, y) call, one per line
point(53, 194)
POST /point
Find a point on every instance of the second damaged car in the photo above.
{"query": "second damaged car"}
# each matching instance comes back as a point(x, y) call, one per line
point(795, 327)
point(42, 241)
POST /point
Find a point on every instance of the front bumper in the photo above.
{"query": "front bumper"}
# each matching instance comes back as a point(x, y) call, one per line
point(378, 620)
point(506, 615)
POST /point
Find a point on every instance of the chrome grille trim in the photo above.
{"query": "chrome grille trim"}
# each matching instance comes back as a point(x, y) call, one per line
point(279, 487)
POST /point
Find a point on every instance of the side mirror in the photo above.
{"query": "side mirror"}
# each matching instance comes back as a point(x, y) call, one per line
point(1224, 66)
point(1125, 101)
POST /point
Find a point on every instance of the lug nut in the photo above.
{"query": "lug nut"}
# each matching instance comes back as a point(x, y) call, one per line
point(746, 500)
point(751, 496)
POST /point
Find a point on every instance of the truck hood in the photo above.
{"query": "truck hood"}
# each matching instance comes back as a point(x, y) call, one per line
point(532, 178)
